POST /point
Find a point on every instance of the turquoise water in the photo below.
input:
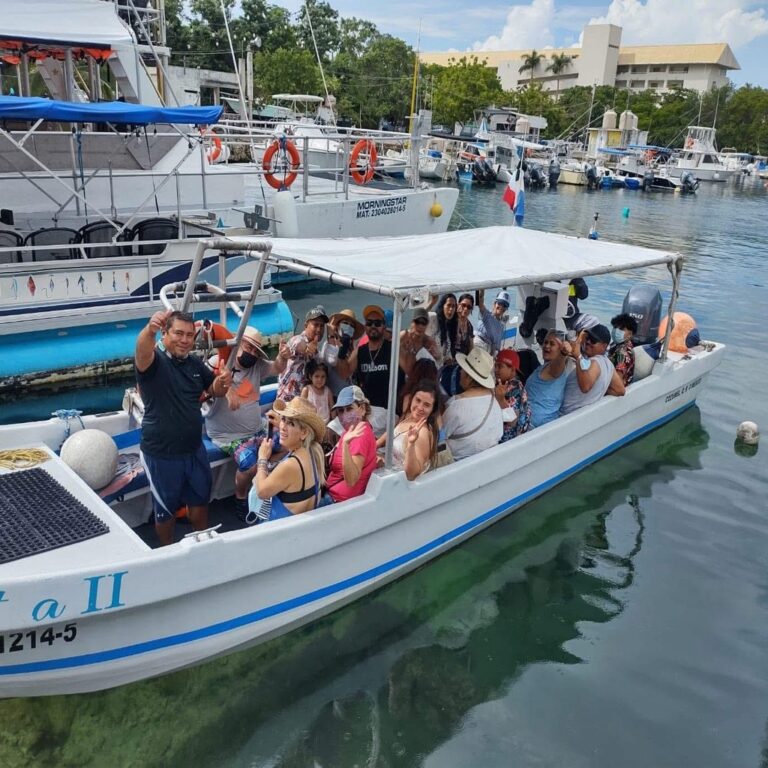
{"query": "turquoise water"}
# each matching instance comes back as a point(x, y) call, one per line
point(621, 619)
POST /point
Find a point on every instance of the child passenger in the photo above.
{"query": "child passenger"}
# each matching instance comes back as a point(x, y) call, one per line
point(511, 395)
point(317, 390)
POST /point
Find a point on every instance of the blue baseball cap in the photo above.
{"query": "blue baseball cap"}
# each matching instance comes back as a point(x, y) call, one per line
point(349, 396)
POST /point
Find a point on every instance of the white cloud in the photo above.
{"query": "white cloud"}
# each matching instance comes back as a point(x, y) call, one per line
point(686, 21)
point(526, 26)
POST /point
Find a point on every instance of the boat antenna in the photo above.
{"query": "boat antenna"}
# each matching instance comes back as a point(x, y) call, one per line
point(717, 104)
point(415, 88)
point(319, 61)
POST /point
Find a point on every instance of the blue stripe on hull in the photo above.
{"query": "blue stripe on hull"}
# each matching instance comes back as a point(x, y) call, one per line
point(182, 638)
point(88, 345)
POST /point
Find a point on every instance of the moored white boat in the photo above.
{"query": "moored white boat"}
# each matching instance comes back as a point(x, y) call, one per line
point(110, 610)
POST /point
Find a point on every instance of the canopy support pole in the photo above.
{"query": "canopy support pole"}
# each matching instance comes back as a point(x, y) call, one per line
point(675, 269)
point(24, 88)
point(394, 368)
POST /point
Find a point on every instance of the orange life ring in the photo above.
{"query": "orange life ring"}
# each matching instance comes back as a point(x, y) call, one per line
point(363, 176)
point(213, 332)
point(213, 153)
point(289, 169)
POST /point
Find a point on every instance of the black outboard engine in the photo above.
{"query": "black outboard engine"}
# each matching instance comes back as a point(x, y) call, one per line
point(643, 302)
point(592, 180)
point(554, 171)
point(537, 177)
point(647, 179)
point(488, 173)
point(688, 182)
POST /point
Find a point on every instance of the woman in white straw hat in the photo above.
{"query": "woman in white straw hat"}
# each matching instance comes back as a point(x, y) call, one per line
point(472, 421)
point(295, 484)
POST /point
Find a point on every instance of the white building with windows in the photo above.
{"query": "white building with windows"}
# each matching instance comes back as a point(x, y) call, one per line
point(602, 60)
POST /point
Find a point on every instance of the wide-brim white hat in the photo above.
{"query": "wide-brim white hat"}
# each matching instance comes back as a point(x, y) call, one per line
point(479, 365)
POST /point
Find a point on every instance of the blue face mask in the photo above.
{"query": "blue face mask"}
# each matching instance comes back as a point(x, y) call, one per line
point(618, 335)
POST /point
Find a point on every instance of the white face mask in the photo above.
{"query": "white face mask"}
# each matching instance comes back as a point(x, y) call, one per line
point(618, 335)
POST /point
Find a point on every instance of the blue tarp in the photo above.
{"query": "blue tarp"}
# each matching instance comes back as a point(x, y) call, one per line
point(614, 151)
point(33, 108)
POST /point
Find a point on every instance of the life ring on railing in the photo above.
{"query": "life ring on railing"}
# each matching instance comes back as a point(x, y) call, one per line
point(213, 153)
point(689, 143)
point(363, 176)
point(207, 332)
point(288, 151)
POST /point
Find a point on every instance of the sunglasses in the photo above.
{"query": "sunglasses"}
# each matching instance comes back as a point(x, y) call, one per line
point(590, 340)
point(466, 305)
point(374, 323)
point(421, 321)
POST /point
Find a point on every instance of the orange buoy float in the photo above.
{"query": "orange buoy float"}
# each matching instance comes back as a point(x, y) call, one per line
point(682, 326)
point(213, 153)
point(288, 161)
point(362, 173)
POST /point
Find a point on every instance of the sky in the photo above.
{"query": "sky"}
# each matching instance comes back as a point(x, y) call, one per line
point(481, 25)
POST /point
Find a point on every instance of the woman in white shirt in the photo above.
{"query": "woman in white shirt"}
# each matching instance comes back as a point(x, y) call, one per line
point(472, 421)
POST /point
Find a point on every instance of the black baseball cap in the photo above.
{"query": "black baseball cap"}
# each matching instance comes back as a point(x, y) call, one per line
point(599, 334)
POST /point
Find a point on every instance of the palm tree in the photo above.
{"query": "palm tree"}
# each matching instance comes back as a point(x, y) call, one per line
point(560, 62)
point(530, 62)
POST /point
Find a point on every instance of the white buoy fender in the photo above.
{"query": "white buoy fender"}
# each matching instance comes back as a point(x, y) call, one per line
point(284, 206)
point(92, 455)
point(748, 432)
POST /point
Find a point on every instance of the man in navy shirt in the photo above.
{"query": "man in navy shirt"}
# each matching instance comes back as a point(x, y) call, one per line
point(171, 382)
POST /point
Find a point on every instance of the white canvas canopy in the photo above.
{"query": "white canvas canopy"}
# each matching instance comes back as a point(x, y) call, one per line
point(460, 260)
point(66, 22)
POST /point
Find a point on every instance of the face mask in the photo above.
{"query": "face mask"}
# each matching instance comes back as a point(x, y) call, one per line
point(350, 419)
point(246, 360)
point(618, 335)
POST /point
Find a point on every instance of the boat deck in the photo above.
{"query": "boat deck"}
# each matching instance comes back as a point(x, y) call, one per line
point(117, 544)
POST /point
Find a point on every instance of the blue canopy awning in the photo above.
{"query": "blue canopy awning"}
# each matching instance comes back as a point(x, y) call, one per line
point(613, 151)
point(121, 112)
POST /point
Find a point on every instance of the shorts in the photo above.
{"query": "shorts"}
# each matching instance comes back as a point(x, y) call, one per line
point(178, 480)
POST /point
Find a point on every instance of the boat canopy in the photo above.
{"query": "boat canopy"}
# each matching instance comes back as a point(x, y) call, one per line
point(120, 112)
point(614, 151)
point(460, 260)
point(66, 23)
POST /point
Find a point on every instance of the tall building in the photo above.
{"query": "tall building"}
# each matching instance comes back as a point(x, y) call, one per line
point(602, 60)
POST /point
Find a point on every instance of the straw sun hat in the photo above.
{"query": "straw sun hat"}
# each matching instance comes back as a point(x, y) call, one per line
point(348, 316)
point(479, 365)
point(303, 411)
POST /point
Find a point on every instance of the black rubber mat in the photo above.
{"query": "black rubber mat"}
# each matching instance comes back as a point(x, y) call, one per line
point(38, 514)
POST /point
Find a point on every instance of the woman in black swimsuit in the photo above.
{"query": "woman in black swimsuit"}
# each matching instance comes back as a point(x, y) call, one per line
point(294, 485)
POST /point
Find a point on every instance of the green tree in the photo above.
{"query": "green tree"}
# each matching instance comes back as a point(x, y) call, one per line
point(560, 62)
point(320, 18)
point(530, 62)
point(270, 24)
point(743, 123)
point(356, 36)
point(462, 87)
point(286, 70)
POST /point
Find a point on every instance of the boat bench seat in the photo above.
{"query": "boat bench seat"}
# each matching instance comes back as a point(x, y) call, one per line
point(136, 480)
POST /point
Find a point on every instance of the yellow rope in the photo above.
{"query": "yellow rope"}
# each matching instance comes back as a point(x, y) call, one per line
point(22, 458)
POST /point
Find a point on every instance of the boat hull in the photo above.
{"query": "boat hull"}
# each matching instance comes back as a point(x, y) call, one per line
point(181, 605)
point(77, 317)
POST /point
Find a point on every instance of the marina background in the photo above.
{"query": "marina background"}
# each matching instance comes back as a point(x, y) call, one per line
point(618, 620)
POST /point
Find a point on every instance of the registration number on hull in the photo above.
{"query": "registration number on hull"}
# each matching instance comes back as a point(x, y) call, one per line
point(37, 638)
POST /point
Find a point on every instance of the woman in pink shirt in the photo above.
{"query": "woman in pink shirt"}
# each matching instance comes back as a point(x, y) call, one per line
point(353, 459)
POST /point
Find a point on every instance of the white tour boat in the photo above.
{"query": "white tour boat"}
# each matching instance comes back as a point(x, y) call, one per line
point(87, 605)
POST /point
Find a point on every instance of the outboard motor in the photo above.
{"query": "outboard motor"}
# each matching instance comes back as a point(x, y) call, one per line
point(647, 179)
point(554, 171)
point(537, 177)
point(688, 182)
point(592, 180)
point(488, 173)
point(643, 302)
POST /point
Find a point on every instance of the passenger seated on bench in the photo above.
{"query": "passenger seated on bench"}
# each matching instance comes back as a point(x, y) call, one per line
point(422, 369)
point(511, 395)
point(295, 484)
point(620, 353)
point(416, 435)
point(594, 374)
point(546, 384)
point(353, 458)
point(472, 421)
point(234, 422)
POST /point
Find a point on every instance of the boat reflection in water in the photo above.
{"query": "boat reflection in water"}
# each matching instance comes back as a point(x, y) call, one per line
point(389, 679)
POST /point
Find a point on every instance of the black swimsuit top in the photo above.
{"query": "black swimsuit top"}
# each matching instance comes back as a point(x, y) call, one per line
point(293, 497)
